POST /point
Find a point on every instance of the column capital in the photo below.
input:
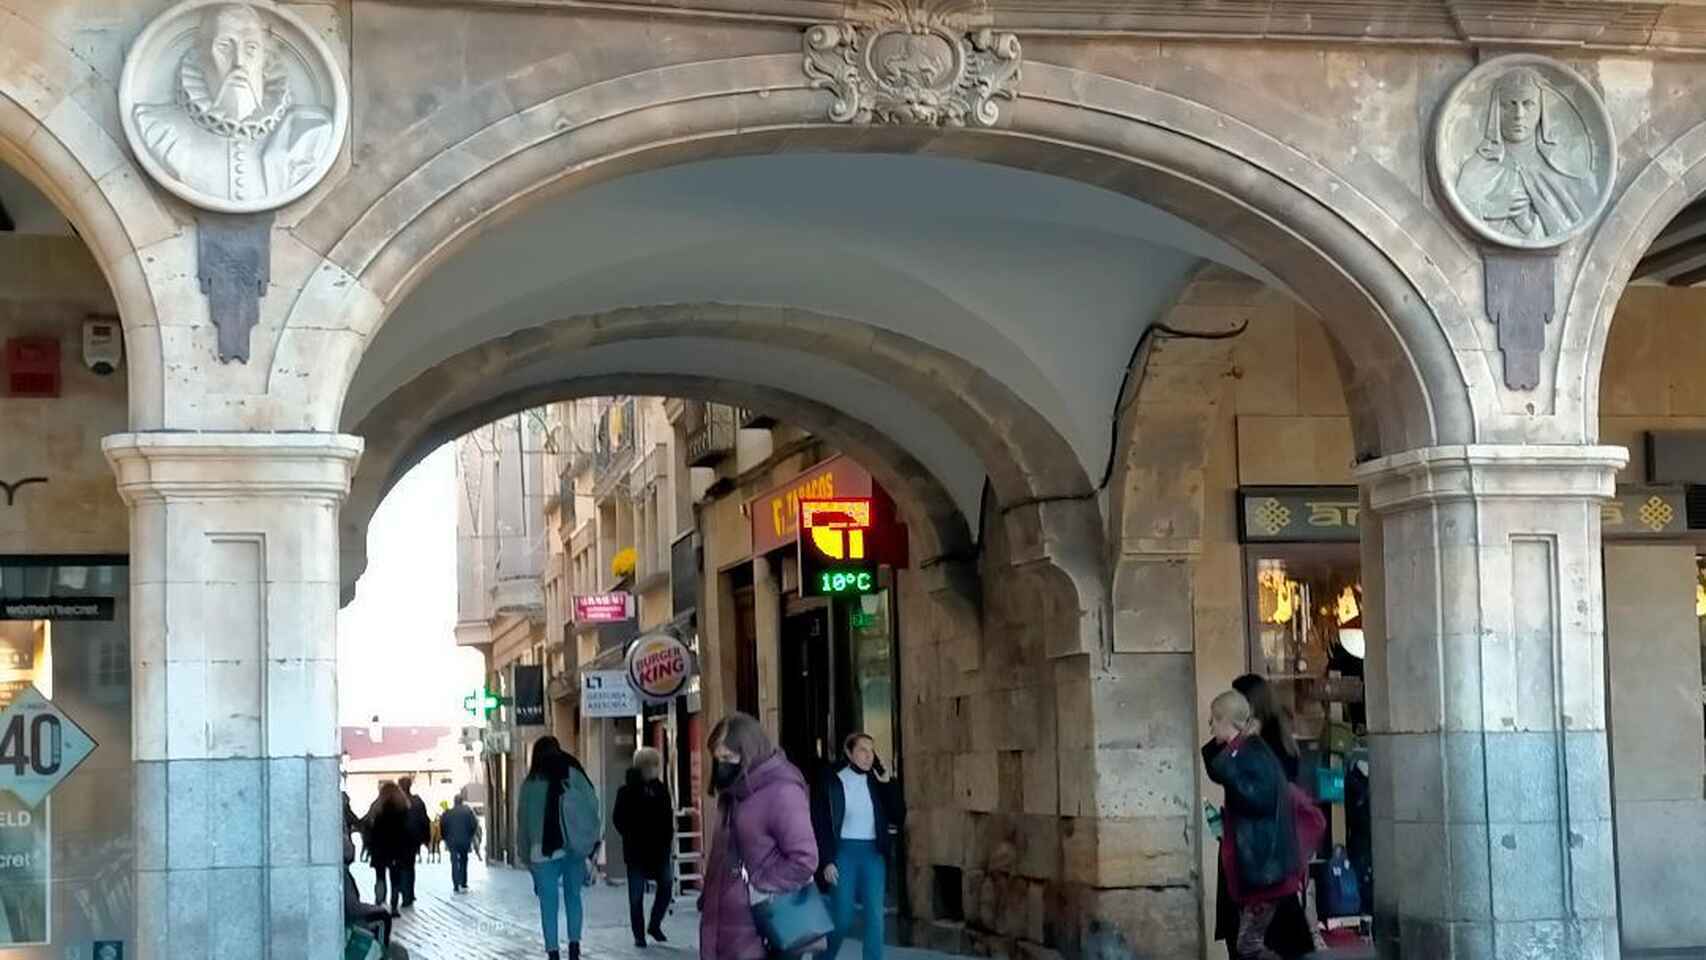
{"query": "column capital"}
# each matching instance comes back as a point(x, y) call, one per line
point(172, 466)
point(1484, 472)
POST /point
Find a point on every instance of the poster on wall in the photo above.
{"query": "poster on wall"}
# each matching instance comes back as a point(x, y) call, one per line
point(39, 747)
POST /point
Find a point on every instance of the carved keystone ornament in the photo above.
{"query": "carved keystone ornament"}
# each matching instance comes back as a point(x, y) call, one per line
point(234, 107)
point(1525, 155)
point(915, 67)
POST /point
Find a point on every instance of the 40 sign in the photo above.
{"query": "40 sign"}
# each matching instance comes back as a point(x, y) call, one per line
point(39, 747)
point(659, 665)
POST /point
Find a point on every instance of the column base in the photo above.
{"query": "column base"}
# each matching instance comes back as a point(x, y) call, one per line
point(1404, 938)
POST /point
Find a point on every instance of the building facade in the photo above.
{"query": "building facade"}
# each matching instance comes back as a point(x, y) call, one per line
point(1070, 283)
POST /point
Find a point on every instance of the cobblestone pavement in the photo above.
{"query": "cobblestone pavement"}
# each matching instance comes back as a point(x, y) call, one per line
point(498, 919)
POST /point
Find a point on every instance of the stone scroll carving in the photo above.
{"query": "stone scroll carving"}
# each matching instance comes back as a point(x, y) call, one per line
point(234, 107)
point(915, 69)
point(1525, 155)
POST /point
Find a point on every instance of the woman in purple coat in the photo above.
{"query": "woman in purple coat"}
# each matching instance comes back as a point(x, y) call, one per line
point(765, 824)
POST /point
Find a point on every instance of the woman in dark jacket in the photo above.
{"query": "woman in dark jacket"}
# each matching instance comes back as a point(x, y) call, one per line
point(390, 842)
point(766, 827)
point(853, 808)
point(645, 817)
point(1291, 934)
point(1258, 851)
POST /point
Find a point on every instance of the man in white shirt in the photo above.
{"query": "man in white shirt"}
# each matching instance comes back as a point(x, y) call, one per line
point(856, 810)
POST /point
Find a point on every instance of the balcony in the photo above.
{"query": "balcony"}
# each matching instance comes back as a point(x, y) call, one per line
point(753, 419)
point(714, 439)
point(653, 468)
point(614, 453)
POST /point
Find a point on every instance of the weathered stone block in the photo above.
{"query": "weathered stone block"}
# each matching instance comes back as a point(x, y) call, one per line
point(1152, 606)
point(1107, 852)
point(1151, 782)
point(976, 781)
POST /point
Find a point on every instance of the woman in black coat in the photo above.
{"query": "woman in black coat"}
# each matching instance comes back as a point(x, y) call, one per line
point(390, 842)
point(645, 817)
point(1290, 935)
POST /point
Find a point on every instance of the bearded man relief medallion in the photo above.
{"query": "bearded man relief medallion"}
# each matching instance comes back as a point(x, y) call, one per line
point(234, 107)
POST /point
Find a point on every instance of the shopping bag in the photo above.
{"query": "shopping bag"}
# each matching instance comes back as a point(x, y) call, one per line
point(362, 945)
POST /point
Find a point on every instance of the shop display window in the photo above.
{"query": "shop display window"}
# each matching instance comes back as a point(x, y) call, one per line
point(1306, 631)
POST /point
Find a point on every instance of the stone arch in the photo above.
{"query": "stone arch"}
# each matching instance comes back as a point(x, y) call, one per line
point(938, 530)
point(456, 172)
point(51, 137)
point(1030, 465)
point(1670, 181)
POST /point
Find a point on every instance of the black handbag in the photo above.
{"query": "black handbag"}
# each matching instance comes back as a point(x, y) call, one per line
point(790, 922)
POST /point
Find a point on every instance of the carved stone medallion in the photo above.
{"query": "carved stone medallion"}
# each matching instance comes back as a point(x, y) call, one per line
point(234, 107)
point(913, 72)
point(1524, 152)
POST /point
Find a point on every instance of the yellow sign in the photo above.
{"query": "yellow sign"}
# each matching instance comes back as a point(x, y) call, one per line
point(837, 526)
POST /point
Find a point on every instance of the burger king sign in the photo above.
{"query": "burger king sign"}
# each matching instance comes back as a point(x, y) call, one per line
point(659, 665)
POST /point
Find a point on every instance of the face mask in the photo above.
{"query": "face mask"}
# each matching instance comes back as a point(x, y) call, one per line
point(724, 774)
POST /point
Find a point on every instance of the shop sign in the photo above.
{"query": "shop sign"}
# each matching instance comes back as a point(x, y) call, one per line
point(604, 607)
point(39, 747)
point(659, 666)
point(1299, 514)
point(1333, 514)
point(776, 515)
point(835, 547)
point(529, 696)
point(1641, 512)
point(56, 608)
point(606, 693)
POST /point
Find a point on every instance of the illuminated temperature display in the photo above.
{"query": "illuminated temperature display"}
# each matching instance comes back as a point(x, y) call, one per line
point(835, 559)
point(837, 582)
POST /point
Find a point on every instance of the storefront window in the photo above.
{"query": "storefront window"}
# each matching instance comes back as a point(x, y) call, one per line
point(873, 669)
point(1306, 629)
point(66, 850)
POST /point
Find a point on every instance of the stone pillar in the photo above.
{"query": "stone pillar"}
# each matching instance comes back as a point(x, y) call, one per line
point(234, 568)
point(1492, 811)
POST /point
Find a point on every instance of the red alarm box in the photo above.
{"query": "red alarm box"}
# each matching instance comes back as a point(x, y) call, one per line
point(32, 367)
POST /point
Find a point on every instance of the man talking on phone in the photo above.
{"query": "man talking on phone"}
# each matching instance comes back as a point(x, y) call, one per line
point(857, 809)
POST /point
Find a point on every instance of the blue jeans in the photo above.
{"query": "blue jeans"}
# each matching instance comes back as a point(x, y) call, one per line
point(568, 873)
point(458, 868)
point(862, 874)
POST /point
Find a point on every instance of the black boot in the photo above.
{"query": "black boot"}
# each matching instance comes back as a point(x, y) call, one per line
point(574, 951)
point(553, 955)
point(657, 934)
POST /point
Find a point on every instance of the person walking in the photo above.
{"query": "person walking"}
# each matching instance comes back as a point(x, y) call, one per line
point(390, 843)
point(853, 808)
point(1258, 847)
point(765, 842)
point(1293, 933)
point(460, 829)
point(559, 826)
point(645, 817)
point(420, 831)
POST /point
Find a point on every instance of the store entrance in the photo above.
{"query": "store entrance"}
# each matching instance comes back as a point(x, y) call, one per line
point(806, 683)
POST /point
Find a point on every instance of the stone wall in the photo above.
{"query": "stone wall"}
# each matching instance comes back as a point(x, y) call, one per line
point(48, 286)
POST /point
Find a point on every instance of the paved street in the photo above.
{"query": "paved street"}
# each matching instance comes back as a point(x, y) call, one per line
point(498, 919)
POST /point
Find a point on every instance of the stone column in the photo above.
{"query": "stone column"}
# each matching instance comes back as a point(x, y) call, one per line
point(234, 569)
point(1492, 810)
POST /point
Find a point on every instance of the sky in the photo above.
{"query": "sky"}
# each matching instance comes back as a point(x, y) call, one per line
point(397, 653)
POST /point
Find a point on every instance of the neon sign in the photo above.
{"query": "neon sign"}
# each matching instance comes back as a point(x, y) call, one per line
point(842, 582)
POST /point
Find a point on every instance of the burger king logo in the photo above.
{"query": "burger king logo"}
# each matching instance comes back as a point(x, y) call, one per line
point(658, 667)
